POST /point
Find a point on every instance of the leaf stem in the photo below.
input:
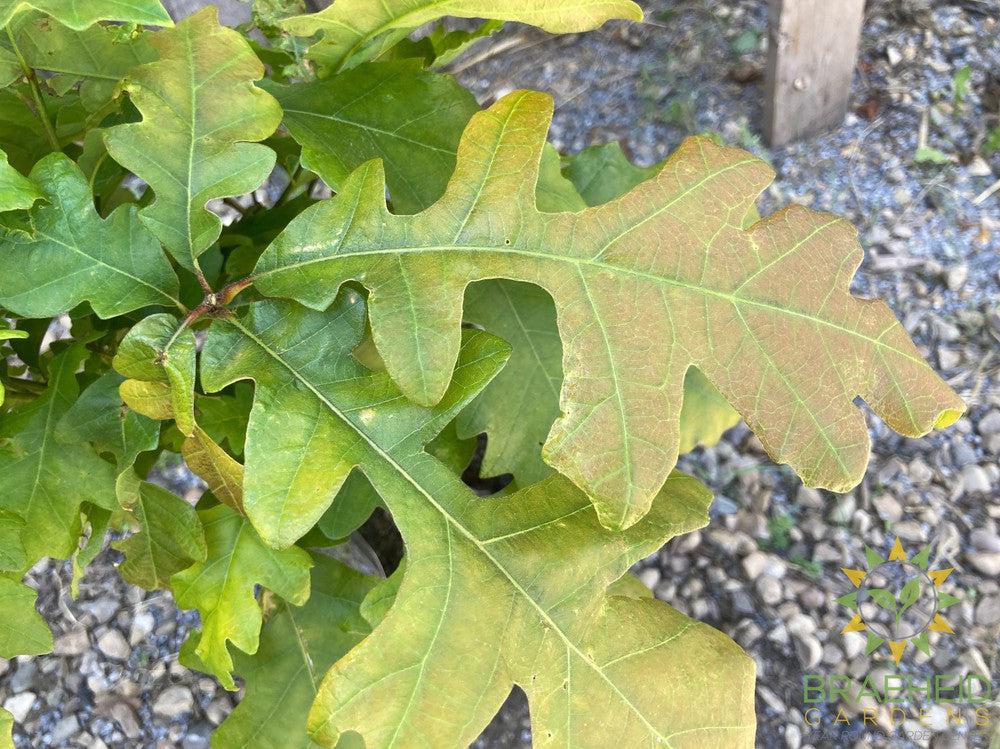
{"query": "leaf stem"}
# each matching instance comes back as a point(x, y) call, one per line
point(36, 93)
point(215, 302)
point(232, 290)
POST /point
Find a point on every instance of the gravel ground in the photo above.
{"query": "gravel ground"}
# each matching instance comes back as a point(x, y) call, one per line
point(766, 569)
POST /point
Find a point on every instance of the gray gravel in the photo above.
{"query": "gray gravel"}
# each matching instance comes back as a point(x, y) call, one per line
point(766, 570)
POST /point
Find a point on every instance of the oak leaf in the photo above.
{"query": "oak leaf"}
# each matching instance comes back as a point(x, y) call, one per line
point(661, 279)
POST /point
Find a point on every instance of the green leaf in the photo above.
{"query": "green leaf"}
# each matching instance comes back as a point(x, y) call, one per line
point(222, 587)
point(11, 551)
point(44, 481)
point(297, 646)
point(99, 57)
point(440, 46)
point(355, 502)
point(200, 110)
point(352, 29)
point(169, 537)
point(603, 173)
point(225, 417)
point(395, 111)
point(161, 350)
point(74, 255)
point(100, 417)
point(645, 286)
point(16, 191)
point(22, 629)
point(501, 591)
point(79, 14)
point(21, 135)
point(517, 408)
point(98, 519)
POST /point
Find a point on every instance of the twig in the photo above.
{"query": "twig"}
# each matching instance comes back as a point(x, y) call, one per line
point(36, 93)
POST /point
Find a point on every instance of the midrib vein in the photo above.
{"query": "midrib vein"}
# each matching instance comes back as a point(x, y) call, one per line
point(545, 257)
point(465, 532)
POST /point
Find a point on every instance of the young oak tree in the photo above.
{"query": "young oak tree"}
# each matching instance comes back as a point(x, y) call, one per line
point(308, 359)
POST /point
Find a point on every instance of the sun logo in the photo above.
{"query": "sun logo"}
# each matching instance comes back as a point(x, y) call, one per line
point(898, 600)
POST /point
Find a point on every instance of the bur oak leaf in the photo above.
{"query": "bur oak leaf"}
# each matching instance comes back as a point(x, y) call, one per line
point(201, 113)
point(73, 255)
point(357, 30)
point(79, 14)
point(222, 587)
point(298, 644)
point(645, 286)
point(45, 481)
point(525, 574)
point(17, 192)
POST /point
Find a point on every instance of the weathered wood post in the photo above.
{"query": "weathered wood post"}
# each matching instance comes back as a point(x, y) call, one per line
point(810, 62)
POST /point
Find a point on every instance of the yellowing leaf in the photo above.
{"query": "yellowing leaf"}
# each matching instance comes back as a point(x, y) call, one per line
point(200, 108)
point(502, 591)
point(353, 30)
point(222, 587)
point(79, 14)
point(45, 481)
point(160, 350)
point(645, 286)
point(223, 475)
point(74, 255)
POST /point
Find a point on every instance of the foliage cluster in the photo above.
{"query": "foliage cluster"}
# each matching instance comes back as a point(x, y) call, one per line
point(173, 281)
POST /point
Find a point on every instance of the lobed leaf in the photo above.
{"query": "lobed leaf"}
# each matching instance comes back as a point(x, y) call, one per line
point(169, 537)
point(356, 30)
point(645, 286)
point(221, 588)
point(100, 417)
point(73, 255)
point(297, 646)
point(159, 351)
point(79, 14)
point(98, 57)
point(395, 111)
point(201, 112)
point(501, 591)
point(44, 481)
